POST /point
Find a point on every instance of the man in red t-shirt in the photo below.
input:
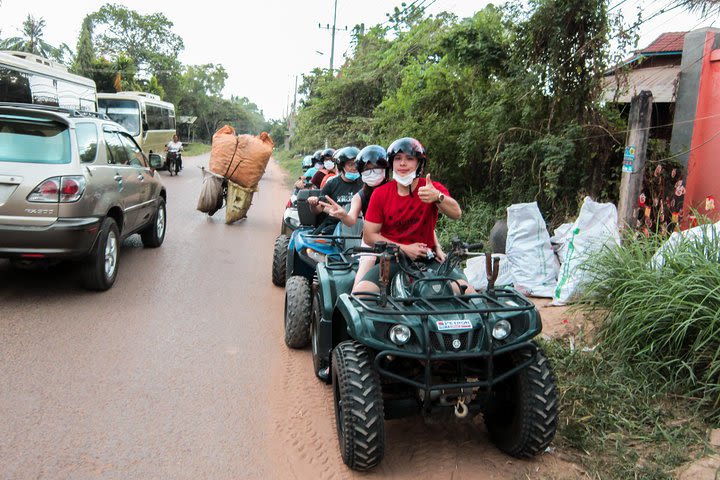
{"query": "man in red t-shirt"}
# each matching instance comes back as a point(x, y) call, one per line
point(405, 210)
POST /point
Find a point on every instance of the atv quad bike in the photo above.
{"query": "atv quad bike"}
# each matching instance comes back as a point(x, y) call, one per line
point(303, 251)
point(424, 347)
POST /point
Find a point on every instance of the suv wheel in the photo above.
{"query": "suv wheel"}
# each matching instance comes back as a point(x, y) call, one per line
point(524, 419)
point(320, 363)
point(297, 312)
point(279, 269)
point(154, 234)
point(100, 270)
point(359, 412)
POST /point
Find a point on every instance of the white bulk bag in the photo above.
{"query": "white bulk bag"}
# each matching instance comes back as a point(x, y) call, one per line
point(477, 274)
point(595, 228)
point(532, 260)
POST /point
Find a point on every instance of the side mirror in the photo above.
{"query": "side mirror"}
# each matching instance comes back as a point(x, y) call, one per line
point(156, 161)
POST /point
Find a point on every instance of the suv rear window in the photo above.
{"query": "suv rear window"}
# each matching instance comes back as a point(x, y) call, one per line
point(31, 140)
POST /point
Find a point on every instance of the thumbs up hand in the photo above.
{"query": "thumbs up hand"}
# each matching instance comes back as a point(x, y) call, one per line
point(428, 193)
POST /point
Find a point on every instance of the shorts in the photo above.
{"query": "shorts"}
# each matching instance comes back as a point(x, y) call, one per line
point(374, 274)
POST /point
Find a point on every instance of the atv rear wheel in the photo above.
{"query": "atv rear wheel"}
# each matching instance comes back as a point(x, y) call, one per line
point(320, 363)
point(359, 412)
point(524, 419)
point(297, 312)
point(279, 269)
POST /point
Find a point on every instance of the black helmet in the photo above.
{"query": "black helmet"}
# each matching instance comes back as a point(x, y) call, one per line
point(307, 162)
point(327, 153)
point(374, 154)
point(408, 146)
point(317, 156)
point(343, 155)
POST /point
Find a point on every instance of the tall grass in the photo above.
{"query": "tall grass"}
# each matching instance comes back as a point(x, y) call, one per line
point(662, 321)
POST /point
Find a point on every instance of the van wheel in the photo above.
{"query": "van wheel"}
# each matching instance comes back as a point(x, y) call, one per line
point(100, 269)
point(154, 234)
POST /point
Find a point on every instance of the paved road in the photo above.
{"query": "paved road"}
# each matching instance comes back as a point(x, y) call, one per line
point(180, 371)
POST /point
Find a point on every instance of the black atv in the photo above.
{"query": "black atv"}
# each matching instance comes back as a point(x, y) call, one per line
point(422, 346)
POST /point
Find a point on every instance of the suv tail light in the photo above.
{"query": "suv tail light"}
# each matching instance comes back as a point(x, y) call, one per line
point(59, 189)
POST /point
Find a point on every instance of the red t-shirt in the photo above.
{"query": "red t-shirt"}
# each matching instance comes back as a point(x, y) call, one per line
point(404, 219)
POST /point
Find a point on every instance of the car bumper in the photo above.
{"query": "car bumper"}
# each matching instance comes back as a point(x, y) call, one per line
point(66, 238)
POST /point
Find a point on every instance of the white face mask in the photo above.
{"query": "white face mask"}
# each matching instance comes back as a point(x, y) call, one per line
point(373, 177)
point(404, 180)
point(328, 164)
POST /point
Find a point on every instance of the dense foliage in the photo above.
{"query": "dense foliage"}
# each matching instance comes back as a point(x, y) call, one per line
point(504, 101)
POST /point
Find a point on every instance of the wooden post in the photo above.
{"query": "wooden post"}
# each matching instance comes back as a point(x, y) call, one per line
point(634, 158)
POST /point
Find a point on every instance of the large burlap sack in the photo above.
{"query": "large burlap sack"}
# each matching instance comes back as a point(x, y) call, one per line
point(238, 202)
point(240, 158)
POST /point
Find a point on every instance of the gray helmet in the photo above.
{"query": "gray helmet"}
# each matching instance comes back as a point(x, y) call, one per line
point(344, 155)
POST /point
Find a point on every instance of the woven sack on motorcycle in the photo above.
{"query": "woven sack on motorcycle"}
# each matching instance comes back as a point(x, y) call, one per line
point(240, 158)
point(238, 201)
point(209, 193)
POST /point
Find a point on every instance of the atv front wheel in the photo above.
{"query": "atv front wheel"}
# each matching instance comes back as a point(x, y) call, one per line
point(359, 412)
point(297, 312)
point(524, 419)
point(320, 363)
point(279, 269)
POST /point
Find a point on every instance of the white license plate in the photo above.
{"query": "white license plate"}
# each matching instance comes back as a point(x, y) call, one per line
point(453, 324)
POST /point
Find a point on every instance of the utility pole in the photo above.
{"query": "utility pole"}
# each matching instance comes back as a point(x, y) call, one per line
point(333, 30)
point(633, 169)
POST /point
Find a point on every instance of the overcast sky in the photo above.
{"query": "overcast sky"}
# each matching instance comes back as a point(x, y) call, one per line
point(263, 45)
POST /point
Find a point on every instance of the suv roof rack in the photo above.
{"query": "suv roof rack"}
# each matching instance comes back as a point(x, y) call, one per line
point(73, 112)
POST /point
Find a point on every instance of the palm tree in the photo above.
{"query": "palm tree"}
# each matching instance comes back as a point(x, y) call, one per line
point(32, 41)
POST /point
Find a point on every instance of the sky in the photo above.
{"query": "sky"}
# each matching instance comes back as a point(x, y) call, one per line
point(265, 45)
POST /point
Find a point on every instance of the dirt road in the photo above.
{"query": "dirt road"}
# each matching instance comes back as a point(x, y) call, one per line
point(180, 370)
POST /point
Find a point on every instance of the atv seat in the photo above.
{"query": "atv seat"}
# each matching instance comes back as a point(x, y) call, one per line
point(342, 230)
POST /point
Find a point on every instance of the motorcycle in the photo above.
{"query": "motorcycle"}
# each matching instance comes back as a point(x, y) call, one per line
point(172, 161)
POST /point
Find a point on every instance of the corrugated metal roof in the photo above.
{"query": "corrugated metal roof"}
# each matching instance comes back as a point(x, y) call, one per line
point(666, 42)
point(661, 81)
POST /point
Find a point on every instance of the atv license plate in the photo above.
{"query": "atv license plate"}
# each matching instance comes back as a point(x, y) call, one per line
point(453, 324)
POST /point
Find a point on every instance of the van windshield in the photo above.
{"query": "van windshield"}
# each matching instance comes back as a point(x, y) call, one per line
point(124, 112)
point(26, 140)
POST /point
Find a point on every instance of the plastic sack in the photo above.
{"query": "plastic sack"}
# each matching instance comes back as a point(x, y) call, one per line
point(532, 261)
point(240, 158)
point(477, 275)
point(239, 199)
point(559, 240)
point(209, 193)
point(707, 234)
point(595, 228)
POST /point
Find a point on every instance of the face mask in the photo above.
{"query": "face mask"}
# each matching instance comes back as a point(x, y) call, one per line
point(328, 164)
point(352, 176)
point(404, 180)
point(373, 178)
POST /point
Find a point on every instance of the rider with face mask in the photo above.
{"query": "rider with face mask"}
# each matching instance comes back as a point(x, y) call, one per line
point(328, 165)
point(405, 210)
point(341, 188)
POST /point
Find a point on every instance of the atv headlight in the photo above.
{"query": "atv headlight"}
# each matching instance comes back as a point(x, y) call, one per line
point(501, 330)
point(400, 334)
point(315, 256)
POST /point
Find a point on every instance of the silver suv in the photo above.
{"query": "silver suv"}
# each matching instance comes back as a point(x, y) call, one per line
point(72, 186)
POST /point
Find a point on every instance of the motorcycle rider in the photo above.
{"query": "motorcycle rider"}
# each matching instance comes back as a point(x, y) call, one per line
point(404, 211)
point(316, 164)
point(175, 145)
point(328, 166)
point(340, 188)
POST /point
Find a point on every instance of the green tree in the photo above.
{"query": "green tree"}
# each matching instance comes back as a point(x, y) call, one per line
point(31, 41)
point(85, 56)
point(146, 39)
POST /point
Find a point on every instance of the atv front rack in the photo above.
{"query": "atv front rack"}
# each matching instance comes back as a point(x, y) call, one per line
point(503, 300)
